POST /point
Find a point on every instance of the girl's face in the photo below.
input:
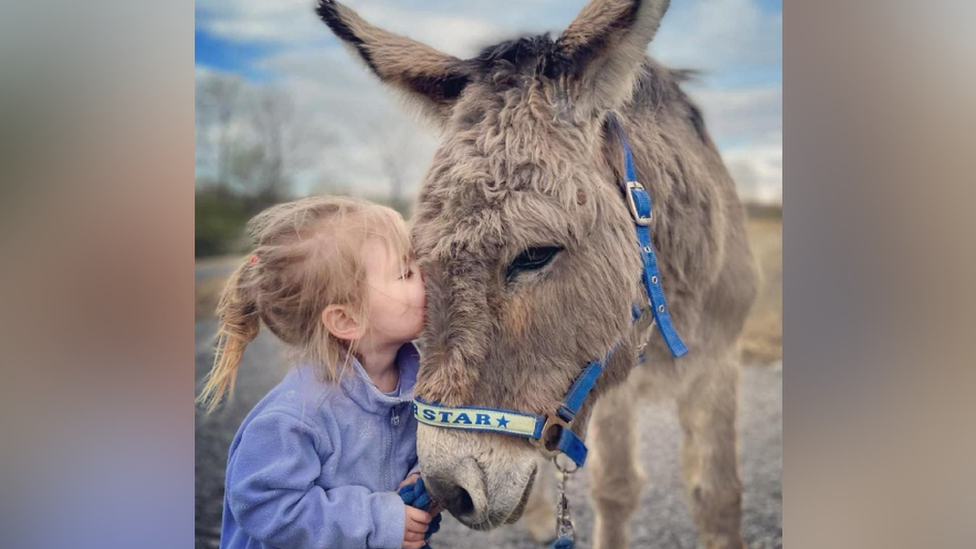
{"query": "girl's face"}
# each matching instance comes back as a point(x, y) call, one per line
point(396, 296)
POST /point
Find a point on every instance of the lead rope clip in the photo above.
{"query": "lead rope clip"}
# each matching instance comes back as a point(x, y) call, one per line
point(565, 533)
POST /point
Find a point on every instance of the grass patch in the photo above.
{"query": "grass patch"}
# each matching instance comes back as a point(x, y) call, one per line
point(762, 337)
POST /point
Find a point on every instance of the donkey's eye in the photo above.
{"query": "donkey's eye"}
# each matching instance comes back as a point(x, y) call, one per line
point(532, 259)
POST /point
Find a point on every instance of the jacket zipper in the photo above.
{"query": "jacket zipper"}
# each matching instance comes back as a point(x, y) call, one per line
point(394, 421)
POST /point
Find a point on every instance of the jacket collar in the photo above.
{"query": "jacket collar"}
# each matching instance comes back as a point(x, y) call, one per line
point(360, 388)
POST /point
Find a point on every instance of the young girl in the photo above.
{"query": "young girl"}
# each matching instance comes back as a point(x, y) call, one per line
point(316, 463)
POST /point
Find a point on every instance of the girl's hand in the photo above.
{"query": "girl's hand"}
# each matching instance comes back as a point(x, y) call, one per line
point(415, 527)
point(435, 508)
point(409, 480)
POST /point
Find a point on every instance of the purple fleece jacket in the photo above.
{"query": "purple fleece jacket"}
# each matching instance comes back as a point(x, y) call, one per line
point(317, 465)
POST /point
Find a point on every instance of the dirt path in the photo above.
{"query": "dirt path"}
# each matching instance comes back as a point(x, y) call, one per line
point(662, 521)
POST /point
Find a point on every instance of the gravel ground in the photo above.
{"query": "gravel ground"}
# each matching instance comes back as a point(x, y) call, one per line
point(662, 520)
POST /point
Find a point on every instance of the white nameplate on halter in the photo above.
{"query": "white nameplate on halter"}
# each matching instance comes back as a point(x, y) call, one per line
point(478, 419)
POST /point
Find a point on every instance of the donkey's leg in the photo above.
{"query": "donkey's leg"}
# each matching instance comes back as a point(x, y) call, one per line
point(616, 479)
point(706, 409)
point(539, 518)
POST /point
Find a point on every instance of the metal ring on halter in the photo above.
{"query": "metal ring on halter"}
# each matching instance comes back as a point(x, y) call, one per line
point(547, 434)
point(565, 470)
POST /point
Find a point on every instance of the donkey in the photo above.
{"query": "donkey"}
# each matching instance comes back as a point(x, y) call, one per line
point(531, 264)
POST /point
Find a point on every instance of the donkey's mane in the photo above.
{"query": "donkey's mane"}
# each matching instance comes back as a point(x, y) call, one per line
point(540, 55)
point(536, 53)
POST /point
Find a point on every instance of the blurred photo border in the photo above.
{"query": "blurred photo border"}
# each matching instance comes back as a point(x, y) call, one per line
point(97, 171)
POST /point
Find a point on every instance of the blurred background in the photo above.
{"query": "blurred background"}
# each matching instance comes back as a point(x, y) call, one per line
point(284, 111)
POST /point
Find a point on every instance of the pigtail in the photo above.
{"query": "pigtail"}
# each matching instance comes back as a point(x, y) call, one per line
point(237, 313)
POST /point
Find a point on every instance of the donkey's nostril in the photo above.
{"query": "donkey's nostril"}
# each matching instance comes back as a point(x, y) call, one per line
point(457, 500)
point(464, 503)
point(452, 496)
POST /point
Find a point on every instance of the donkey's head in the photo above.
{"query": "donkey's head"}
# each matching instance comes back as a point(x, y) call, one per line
point(525, 240)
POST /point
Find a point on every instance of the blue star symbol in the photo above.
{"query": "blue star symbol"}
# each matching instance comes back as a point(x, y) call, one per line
point(502, 422)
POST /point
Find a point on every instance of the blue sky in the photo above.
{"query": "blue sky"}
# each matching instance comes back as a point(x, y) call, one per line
point(736, 43)
point(224, 55)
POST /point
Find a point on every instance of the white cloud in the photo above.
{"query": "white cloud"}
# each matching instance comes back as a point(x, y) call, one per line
point(335, 92)
point(284, 22)
point(455, 34)
point(757, 171)
point(716, 34)
point(736, 115)
point(708, 34)
point(361, 122)
point(294, 23)
point(747, 125)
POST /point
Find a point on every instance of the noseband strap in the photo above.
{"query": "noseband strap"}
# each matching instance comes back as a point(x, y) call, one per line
point(553, 434)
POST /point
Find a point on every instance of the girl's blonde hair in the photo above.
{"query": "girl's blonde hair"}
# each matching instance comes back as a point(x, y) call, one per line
point(307, 256)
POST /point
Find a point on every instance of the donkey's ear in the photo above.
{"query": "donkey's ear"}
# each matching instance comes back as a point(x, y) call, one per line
point(429, 78)
point(602, 50)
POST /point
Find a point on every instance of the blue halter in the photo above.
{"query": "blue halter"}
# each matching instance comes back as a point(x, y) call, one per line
point(536, 427)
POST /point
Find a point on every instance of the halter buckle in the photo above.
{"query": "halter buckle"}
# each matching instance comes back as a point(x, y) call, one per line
point(552, 422)
point(638, 218)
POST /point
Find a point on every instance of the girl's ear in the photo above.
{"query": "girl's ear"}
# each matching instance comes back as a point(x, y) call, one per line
point(340, 322)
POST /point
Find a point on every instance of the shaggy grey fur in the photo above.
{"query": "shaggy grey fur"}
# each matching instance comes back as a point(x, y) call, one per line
point(529, 158)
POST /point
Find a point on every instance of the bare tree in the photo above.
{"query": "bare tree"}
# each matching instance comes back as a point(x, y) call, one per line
point(218, 100)
point(253, 139)
point(288, 142)
point(395, 147)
